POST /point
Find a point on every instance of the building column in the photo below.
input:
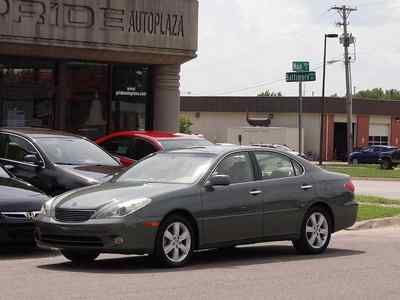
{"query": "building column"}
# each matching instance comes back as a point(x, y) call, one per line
point(166, 97)
point(362, 131)
point(395, 132)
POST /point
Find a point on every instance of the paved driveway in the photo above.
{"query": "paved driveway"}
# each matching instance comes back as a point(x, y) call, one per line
point(387, 189)
point(359, 265)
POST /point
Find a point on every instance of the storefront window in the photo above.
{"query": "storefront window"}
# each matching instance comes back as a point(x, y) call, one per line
point(86, 97)
point(131, 97)
point(27, 91)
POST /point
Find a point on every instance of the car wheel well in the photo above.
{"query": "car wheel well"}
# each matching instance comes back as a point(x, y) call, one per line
point(188, 216)
point(328, 209)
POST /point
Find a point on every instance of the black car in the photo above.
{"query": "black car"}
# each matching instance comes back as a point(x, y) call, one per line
point(390, 159)
point(369, 155)
point(20, 203)
point(55, 161)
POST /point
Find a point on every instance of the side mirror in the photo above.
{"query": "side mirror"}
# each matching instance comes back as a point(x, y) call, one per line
point(218, 180)
point(33, 159)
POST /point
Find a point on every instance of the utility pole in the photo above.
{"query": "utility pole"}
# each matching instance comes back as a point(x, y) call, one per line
point(344, 13)
point(300, 120)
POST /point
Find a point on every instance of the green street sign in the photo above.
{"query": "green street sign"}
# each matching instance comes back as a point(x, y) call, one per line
point(300, 76)
point(301, 66)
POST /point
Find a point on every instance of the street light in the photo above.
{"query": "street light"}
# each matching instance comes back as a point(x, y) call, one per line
point(321, 141)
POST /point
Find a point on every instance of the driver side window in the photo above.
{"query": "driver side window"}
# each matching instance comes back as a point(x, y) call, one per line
point(238, 166)
point(17, 148)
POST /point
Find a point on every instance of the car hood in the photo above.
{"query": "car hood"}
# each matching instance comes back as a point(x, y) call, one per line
point(92, 173)
point(97, 196)
point(19, 196)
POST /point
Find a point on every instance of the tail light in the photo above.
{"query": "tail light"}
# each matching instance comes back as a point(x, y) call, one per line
point(349, 186)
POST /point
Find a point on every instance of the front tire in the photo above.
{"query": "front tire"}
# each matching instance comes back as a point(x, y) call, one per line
point(315, 232)
point(80, 257)
point(175, 242)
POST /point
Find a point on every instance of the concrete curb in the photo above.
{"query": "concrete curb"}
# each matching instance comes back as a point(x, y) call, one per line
point(376, 223)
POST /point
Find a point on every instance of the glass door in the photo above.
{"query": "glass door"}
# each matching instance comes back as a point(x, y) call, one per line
point(27, 91)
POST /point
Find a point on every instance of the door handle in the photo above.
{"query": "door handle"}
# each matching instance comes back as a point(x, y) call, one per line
point(255, 192)
point(306, 187)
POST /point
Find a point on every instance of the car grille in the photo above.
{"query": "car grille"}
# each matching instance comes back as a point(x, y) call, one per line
point(73, 215)
point(63, 240)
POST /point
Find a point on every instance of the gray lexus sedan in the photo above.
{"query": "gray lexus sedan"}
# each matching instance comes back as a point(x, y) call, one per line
point(173, 203)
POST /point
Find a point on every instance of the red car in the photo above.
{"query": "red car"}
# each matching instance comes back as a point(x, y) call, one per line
point(131, 146)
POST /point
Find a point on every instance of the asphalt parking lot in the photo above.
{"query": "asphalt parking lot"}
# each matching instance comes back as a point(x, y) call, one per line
point(358, 265)
point(386, 189)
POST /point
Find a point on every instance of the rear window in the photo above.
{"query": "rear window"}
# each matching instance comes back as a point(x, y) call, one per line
point(169, 145)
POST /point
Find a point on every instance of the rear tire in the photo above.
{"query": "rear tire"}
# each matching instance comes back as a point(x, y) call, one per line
point(80, 257)
point(316, 232)
point(387, 164)
point(175, 242)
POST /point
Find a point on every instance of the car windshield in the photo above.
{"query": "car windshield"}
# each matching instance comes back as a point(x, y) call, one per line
point(74, 151)
point(169, 168)
point(169, 145)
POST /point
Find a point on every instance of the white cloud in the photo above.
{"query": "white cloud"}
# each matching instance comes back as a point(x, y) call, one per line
point(245, 42)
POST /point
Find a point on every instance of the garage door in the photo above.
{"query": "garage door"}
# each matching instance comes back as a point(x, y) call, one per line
point(378, 134)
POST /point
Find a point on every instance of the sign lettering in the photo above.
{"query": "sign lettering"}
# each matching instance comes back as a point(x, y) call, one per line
point(128, 22)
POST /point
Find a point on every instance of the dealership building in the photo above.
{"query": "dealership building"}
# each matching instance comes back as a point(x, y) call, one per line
point(374, 121)
point(94, 66)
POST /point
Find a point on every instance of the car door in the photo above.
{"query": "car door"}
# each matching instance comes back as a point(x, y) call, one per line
point(14, 149)
point(285, 189)
point(233, 212)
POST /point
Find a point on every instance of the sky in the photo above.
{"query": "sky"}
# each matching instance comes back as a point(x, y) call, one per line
point(247, 46)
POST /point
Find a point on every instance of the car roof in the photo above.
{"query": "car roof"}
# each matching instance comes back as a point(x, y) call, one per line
point(158, 135)
point(34, 132)
point(219, 149)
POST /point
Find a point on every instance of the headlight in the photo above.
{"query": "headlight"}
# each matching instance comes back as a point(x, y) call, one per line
point(46, 207)
point(121, 209)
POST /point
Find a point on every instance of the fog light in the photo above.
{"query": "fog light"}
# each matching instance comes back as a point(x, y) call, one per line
point(119, 240)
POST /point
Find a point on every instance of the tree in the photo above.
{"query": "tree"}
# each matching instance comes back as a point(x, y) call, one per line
point(380, 94)
point(268, 93)
point(185, 125)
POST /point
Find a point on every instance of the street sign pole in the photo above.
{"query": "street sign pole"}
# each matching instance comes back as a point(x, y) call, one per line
point(300, 111)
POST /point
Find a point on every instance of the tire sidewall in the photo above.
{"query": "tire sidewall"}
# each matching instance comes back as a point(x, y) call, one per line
point(308, 248)
point(159, 251)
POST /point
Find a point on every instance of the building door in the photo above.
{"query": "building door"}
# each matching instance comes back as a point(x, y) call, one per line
point(340, 141)
point(27, 92)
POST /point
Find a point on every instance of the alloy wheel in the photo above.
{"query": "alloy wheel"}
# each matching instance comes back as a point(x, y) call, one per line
point(176, 242)
point(317, 230)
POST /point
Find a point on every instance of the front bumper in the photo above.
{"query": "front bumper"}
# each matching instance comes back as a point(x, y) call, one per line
point(104, 236)
point(16, 230)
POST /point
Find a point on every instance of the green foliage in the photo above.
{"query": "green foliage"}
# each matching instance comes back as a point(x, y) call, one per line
point(185, 125)
point(378, 93)
point(368, 212)
point(377, 200)
point(368, 171)
point(268, 93)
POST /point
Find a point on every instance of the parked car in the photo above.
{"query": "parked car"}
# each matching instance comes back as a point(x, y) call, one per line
point(131, 146)
point(369, 155)
point(20, 203)
point(172, 203)
point(390, 159)
point(55, 161)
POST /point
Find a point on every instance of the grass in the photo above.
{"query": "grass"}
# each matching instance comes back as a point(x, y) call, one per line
point(376, 200)
point(369, 212)
point(365, 171)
